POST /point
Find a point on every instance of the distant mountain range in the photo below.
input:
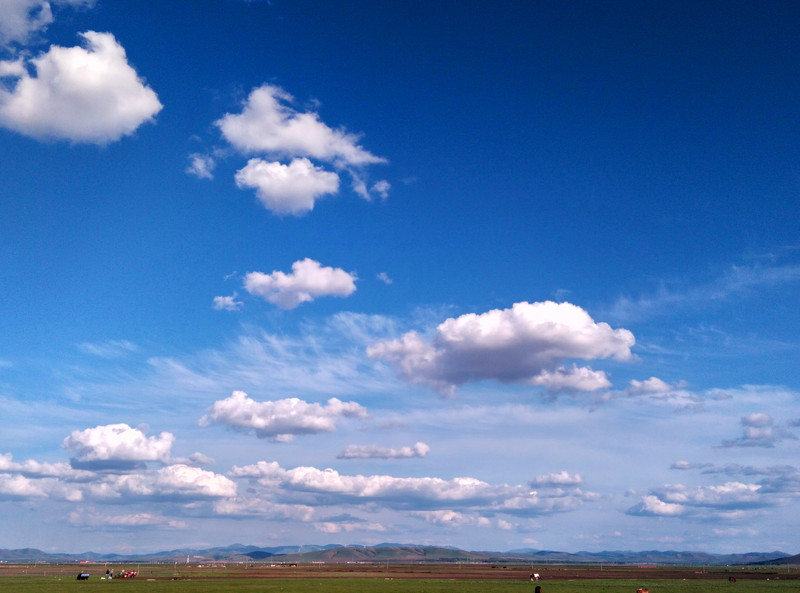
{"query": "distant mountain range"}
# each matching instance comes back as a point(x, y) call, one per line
point(401, 553)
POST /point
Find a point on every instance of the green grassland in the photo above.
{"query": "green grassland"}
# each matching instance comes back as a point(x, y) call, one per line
point(389, 579)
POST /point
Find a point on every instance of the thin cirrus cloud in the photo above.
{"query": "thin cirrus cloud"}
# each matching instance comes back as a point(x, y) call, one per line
point(81, 94)
point(419, 449)
point(269, 126)
point(527, 343)
point(307, 281)
point(280, 420)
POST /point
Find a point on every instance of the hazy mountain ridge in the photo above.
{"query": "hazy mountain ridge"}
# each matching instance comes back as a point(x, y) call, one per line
point(401, 553)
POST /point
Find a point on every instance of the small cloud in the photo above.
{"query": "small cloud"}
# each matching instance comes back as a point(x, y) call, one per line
point(269, 124)
point(108, 349)
point(652, 506)
point(375, 452)
point(381, 188)
point(201, 166)
point(287, 189)
point(562, 478)
point(384, 277)
point(280, 420)
point(21, 19)
point(227, 303)
point(653, 385)
point(307, 281)
point(758, 431)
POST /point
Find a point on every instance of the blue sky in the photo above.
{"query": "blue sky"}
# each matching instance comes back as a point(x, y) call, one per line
point(497, 276)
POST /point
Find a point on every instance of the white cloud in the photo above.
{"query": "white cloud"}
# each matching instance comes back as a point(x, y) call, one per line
point(287, 189)
point(651, 385)
point(268, 124)
point(737, 282)
point(427, 493)
point(525, 344)
point(307, 281)
point(227, 303)
point(81, 94)
point(375, 452)
point(572, 378)
point(173, 480)
point(562, 478)
point(31, 467)
point(20, 18)
point(651, 505)
point(18, 486)
point(381, 188)
point(384, 277)
point(758, 430)
point(728, 500)
point(91, 518)
point(201, 165)
point(346, 527)
point(118, 442)
point(280, 420)
point(109, 349)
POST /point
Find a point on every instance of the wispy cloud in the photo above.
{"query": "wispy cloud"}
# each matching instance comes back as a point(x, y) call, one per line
point(376, 452)
point(671, 298)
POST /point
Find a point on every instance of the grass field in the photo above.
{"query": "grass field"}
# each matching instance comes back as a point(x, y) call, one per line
point(423, 578)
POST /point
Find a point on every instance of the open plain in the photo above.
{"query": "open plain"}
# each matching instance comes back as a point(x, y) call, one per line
point(399, 578)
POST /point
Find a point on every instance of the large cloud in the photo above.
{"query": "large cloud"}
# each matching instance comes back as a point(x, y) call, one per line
point(462, 493)
point(307, 281)
point(527, 343)
point(268, 124)
point(117, 445)
point(723, 500)
point(172, 481)
point(280, 420)
point(81, 94)
point(287, 189)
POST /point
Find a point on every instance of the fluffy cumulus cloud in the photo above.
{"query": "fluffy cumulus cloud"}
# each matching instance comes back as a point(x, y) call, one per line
point(280, 420)
point(703, 501)
point(117, 443)
point(21, 18)
point(177, 480)
point(287, 189)
point(527, 343)
point(81, 94)
point(412, 494)
point(375, 452)
point(651, 385)
point(269, 124)
point(308, 280)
